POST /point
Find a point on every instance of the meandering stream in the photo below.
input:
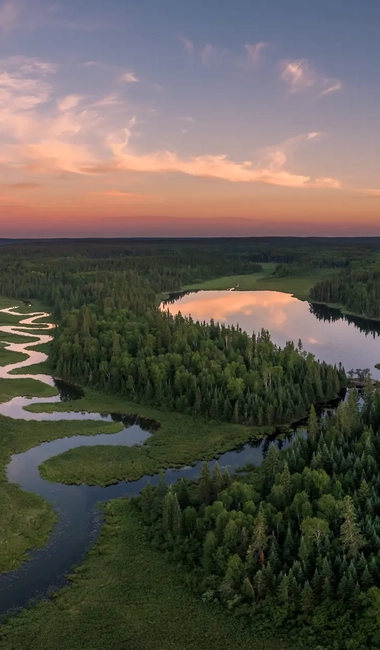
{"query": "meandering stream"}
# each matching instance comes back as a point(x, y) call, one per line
point(78, 520)
point(327, 333)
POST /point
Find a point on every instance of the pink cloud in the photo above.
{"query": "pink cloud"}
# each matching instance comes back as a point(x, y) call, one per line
point(69, 102)
point(129, 77)
point(301, 76)
point(120, 194)
point(268, 170)
point(211, 53)
point(187, 43)
point(254, 53)
point(370, 192)
point(77, 137)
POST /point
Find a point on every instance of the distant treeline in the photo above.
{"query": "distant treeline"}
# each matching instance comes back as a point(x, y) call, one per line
point(357, 289)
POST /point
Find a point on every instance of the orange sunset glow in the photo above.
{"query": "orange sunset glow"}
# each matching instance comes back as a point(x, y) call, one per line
point(161, 130)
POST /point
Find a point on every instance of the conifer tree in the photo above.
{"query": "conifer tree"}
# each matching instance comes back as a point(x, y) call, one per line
point(307, 598)
point(205, 484)
point(312, 424)
point(350, 535)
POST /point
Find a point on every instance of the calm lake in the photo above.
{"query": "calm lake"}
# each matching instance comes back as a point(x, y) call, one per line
point(327, 333)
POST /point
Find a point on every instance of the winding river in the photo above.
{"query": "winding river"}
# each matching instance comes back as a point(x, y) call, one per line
point(330, 335)
point(79, 521)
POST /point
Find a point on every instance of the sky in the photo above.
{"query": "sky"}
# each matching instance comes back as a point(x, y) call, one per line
point(189, 118)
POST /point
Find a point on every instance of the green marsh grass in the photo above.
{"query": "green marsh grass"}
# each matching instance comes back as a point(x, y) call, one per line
point(126, 596)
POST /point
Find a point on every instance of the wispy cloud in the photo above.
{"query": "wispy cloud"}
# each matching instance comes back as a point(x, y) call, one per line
point(332, 86)
point(94, 64)
point(69, 102)
point(254, 53)
point(123, 75)
point(108, 100)
point(186, 118)
point(187, 43)
point(298, 74)
point(78, 135)
point(120, 194)
point(370, 192)
point(268, 169)
point(301, 76)
point(210, 53)
point(129, 77)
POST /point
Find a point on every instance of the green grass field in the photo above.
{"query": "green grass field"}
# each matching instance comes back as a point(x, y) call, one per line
point(126, 596)
point(25, 518)
point(14, 338)
point(8, 356)
point(43, 368)
point(299, 286)
point(180, 440)
point(10, 388)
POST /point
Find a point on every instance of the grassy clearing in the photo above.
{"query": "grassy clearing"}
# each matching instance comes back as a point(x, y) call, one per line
point(126, 596)
point(9, 356)
point(43, 368)
point(36, 305)
point(15, 338)
point(12, 319)
point(14, 357)
point(180, 440)
point(25, 518)
point(10, 388)
point(38, 368)
point(299, 286)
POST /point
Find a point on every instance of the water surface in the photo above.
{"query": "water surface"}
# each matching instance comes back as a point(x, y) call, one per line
point(327, 333)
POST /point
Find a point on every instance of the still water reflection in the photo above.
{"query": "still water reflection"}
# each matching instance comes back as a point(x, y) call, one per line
point(325, 332)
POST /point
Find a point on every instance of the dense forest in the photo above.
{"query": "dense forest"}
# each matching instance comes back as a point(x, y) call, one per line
point(113, 335)
point(292, 547)
point(357, 289)
point(196, 368)
point(66, 274)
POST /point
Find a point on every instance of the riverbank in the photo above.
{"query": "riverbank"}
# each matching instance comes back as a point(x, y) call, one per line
point(126, 595)
point(298, 286)
point(179, 440)
point(26, 518)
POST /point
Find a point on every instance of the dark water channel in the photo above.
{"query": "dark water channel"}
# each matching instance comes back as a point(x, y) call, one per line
point(79, 521)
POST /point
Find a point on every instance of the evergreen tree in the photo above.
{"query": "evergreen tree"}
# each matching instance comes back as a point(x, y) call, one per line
point(312, 424)
point(350, 535)
point(307, 598)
